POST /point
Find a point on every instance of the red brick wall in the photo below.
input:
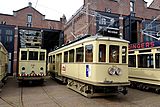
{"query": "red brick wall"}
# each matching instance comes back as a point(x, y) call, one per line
point(155, 4)
point(122, 7)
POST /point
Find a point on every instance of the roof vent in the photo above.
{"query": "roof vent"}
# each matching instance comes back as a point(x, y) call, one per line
point(30, 4)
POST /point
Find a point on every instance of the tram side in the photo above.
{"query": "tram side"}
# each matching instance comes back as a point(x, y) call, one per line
point(32, 64)
point(94, 66)
point(3, 64)
point(144, 68)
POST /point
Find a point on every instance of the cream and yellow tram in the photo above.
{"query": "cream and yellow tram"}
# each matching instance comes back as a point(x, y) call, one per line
point(32, 64)
point(3, 63)
point(92, 66)
point(144, 66)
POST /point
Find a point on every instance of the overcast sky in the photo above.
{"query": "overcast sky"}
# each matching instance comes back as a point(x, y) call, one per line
point(52, 9)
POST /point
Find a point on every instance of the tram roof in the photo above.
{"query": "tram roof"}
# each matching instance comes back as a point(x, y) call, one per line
point(88, 38)
point(32, 49)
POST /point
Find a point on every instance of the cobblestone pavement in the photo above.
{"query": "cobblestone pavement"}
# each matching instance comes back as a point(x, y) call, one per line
point(53, 94)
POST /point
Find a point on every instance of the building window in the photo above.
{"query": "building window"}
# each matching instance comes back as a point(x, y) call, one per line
point(9, 32)
point(0, 35)
point(131, 6)
point(29, 20)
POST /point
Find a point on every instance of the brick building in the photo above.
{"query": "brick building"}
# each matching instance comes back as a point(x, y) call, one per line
point(28, 22)
point(155, 4)
point(130, 17)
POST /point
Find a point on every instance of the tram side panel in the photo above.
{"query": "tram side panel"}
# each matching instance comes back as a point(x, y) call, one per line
point(3, 63)
point(96, 73)
point(144, 69)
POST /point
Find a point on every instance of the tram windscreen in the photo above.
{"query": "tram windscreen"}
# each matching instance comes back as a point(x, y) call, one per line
point(114, 54)
point(42, 56)
point(33, 55)
point(23, 55)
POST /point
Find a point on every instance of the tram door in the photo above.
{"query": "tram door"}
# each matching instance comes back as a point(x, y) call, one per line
point(58, 63)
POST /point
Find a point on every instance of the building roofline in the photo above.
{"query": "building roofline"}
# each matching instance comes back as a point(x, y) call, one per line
point(151, 3)
point(51, 20)
point(153, 8)
point(74, 15)
point(29, 7)
point(5, 14)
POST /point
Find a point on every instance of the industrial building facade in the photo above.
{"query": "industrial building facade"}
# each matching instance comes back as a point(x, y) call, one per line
point(27, 27)
point(130, 16)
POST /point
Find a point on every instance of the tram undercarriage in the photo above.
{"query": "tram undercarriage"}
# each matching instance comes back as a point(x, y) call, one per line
point(89, 90)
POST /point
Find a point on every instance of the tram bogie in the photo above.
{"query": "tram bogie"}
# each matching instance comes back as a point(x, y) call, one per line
point(91, 64)
point(32, 64)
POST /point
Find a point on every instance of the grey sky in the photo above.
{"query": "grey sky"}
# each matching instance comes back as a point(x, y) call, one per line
point(53, 9)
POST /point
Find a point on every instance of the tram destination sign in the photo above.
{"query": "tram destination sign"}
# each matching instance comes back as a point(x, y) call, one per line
point(144, 45)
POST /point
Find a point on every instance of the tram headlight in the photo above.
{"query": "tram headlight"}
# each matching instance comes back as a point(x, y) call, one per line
point(23, 70)
point(118, 71)
point(41, 70)
point(111, 71)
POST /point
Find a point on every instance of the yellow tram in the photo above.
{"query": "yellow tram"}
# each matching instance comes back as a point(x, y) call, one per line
point(93, 65)
point(144, 66)
point(3, 63)
point(32, 64)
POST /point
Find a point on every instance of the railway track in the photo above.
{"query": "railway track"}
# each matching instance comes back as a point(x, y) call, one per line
point(8, 102)
point(51, 97)
point(12, 104)
point(21, 97)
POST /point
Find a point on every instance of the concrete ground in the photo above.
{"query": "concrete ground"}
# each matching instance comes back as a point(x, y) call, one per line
point(53, 94)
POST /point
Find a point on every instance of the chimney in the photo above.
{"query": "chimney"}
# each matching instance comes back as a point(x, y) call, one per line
point(30, 4)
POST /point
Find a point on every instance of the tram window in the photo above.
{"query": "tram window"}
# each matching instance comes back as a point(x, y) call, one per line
point(79, 54)
point(157, 60)
point(42, 56)
point(102, 53)
point(124, 54)
point(50, 59)
point(23, 55)
point(53, 59)
point(132, 60)
point(33, 55)
point(89, 53)
point(71, 55)
point(114, 54)
point(66, 56)
point(145, 61)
